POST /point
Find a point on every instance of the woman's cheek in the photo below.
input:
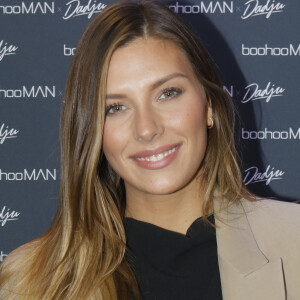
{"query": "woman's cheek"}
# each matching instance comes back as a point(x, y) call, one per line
point(112, 138)
point(188, 117)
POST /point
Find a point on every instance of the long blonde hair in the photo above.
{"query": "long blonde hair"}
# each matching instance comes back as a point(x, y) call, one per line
point(82, 255)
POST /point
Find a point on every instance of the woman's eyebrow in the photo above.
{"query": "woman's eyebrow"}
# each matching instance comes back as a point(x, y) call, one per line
point(115, 96)
point(165, 79)
point(153, 86)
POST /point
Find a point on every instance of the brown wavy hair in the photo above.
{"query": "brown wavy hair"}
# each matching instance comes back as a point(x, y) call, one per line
point(82, 255)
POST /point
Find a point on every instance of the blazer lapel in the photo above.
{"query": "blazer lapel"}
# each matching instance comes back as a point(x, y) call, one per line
point(246, 273)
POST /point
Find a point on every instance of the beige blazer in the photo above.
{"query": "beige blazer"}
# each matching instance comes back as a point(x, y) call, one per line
point(259, 250)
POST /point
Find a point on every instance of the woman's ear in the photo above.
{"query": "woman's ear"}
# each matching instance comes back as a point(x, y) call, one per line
point(209, 115)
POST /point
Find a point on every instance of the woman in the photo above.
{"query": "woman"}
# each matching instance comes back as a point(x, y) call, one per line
point(147, 143)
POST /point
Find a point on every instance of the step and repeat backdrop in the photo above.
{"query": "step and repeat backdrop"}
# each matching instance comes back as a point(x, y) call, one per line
point(255, 45)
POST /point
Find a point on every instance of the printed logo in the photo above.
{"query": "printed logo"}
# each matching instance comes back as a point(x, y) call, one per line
point(6, 133)
point(204, 7)
point(6, 49)
point(75, 9)
point(253, 92)
point(30, 8)
point(273, 135)
point(256, 8)
point(6, 215)
point(29, 92)
point(27, 175)
point(2, 256)
point(229, 90)
point(291, 50)
point(252, 8)
point(69, 51)
point(252, 175)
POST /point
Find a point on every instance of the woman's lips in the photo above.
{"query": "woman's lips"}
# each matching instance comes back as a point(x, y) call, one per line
point(157, 158)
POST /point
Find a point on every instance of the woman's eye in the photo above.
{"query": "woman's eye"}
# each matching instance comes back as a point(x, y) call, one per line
point(115, 108)
point(170, 93)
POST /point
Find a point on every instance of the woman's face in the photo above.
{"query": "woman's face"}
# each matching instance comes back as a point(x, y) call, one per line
point(155, 132)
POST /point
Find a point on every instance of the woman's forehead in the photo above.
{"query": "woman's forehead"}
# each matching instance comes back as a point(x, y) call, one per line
point(146, 57)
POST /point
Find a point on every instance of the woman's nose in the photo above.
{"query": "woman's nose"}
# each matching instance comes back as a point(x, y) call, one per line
point(148, 125)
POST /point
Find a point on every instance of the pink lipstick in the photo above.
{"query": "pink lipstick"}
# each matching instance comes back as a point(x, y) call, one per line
point(157, 158)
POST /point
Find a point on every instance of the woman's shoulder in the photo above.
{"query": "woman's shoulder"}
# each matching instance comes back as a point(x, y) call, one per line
point(275, 226)
point(273, 210)
point(273, 222)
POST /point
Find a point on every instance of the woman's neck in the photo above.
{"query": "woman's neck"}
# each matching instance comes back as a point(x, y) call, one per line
point(175, 211)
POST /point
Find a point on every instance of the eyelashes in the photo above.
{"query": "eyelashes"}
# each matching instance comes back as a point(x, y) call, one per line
point(165, 94)
point(114, 108)
point(170, 93)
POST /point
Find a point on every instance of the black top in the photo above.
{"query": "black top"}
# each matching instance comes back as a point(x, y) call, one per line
point(172, 266)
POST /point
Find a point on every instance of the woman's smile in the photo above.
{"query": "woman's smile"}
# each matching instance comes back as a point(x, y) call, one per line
point(157, 158)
